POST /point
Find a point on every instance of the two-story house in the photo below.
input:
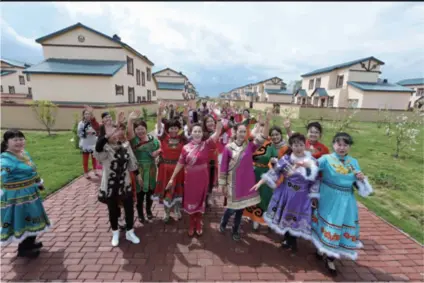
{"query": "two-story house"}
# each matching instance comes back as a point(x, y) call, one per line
point(352, 84)
point(417, 85)
point(13, 80)
point(83, 65)
point(269, 90)
point(173, 85)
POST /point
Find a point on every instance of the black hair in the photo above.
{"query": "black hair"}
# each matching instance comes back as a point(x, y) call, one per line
point(276, 128)
point(10, 134)
point(205, 129)
point(140, 123)
point(173, 123)
point(315, 125)
point(195, 117)
point(196, 125)
point(342, 136)
point(104, 114)
point(295, 138)
point(246, 110)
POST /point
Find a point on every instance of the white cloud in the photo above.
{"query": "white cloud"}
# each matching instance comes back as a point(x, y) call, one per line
point(253, 78)
point(270, 38)
point(30, 42)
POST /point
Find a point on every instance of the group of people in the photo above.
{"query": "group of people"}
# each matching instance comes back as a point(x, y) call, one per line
point(296, 188)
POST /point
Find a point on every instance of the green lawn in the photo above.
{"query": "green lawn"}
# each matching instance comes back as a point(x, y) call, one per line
point(398, 183)
point(57, 160)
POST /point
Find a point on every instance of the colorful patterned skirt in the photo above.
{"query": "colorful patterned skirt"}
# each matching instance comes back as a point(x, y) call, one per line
point(148, 174)
point(175, 194)
point(256, 212)
point(335, 226)
point(22, 214)
point(290, 211)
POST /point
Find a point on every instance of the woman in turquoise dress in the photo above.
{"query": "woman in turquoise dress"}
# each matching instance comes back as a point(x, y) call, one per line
point(335, 222)
point(23, 216)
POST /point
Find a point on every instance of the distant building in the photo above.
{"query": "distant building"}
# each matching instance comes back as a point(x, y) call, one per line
point(417, 85)
point(173, 85)
point(83, 65)
point(353, 84)
point(13, 80)
point(269, 90)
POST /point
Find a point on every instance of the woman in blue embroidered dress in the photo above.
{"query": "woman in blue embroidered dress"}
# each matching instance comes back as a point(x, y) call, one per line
point(23, 216)
point(335, 223)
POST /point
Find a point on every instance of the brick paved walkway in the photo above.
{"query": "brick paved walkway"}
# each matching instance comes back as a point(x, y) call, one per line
point(79, 249)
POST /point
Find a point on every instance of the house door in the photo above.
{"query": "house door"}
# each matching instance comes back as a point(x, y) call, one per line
point(322, 102)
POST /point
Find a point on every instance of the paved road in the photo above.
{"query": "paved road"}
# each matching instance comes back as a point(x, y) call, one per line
point(79, 249)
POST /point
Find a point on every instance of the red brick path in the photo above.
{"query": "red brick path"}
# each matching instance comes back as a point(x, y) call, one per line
point(78, 249)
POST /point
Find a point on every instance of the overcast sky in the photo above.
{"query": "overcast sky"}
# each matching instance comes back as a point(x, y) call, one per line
point(220, 45)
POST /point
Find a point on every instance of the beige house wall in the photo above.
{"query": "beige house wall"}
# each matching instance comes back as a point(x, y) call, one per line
point(75, 88)
point(67, 52)
point(279, 98)
point(13, 80)
point(170, 94)
point(169, 79)
point(11, 115)
point(391, 100)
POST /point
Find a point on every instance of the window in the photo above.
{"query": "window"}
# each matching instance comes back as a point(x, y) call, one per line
point(148, 74)
point(11, 89)
point(137, 76)
point(311, 84)
point(1, 89)
point(139, 99)
point(30, 91)
point(119, 89)
point(130, 66)
point(143, 79)
point(420, 92)
point(149, 95)
point(28, 78)
point(318, 83)
point(154, 93)
point(21, 80)
point(331, 101)
point(339, 82)
point(131, 95)
point(353, 103)
point(144, 98)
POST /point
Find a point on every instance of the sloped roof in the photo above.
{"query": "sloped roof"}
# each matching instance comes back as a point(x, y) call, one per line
point(341, 66)
point(79, 25)
point(417, 81)
point(278, 91)
point(321, 92)
point(77, 67)
point(7, 72)
point(172, 70)
point(301, 92)
point(387, 87)
point(170, 86)
point(15, 63)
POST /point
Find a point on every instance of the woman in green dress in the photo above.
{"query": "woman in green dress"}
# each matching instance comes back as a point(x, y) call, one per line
point(146, 148)
point(272, 150)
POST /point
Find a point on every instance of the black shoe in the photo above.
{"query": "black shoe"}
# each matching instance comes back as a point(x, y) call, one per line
point(142, 219)
point(319, 255)
point(221, 228)
point(236, 236)
point(28, 253)
point(285, 245)
point(149, 215)
point(37, 245)
point(330, 266)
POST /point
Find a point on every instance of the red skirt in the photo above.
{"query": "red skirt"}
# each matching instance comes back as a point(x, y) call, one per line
point(175, 193)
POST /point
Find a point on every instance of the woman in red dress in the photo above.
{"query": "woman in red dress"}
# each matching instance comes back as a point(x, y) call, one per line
point(313, 136)
point(171, 146)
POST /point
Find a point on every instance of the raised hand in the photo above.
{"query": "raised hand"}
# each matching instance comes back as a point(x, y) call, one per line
point(133, 115)
point(121, 117)
point(287, 123)
point(88, 108)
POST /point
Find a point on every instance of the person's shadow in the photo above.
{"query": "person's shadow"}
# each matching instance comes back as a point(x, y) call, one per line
point(47, 266)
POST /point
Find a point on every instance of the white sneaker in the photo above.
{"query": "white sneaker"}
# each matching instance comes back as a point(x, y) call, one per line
point(115, 238)
point(255, 225)
point(177, 211)
point(132, 237)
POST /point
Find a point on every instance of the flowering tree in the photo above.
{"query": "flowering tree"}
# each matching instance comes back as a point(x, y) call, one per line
point(404, 130)
point(345, 120)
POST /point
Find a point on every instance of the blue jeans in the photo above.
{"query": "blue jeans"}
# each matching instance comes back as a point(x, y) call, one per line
point(237, 218)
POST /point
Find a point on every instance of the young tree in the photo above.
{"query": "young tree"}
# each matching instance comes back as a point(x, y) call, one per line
point(45, 112)
point(404, 131)
point(75, 137)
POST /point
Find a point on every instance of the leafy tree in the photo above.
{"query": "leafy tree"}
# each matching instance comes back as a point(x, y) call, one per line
point(45, 112)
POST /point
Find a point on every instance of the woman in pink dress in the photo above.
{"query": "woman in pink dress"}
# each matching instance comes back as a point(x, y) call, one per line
point(237, 175)
point(194, 158)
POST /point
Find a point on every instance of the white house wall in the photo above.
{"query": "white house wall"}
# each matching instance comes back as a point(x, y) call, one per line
point(13, 80)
